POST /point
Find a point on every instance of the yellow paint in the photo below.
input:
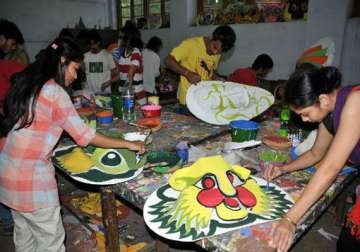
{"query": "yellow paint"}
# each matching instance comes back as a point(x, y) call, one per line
point(76, 161)
point(188, 210)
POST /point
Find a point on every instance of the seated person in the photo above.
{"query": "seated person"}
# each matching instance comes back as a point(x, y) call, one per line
point(10, 39)
point(7, 69)
point(99, 65)
point(261, 67)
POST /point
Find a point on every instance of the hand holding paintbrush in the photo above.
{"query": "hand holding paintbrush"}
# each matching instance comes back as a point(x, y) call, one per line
point(271, 172)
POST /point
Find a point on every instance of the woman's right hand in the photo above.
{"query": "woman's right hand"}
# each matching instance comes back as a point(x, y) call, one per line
point(138, 146)
point(271, 172)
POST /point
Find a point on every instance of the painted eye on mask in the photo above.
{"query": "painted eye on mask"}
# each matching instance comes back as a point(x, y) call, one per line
point(111, 158)
point(109, 161)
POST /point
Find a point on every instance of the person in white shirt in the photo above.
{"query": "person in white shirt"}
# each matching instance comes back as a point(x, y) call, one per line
point(151, 64)
point(99, 65)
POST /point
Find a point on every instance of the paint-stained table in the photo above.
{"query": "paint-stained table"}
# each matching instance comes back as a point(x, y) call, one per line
point(254, 238)
point(175, 128)
point(211, 138)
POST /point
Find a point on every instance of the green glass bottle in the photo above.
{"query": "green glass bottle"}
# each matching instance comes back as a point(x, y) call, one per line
point(284, 118)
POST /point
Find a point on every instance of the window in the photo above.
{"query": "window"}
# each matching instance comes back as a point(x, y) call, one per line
point(145, 13)
point(211, 5)
point(216, 12)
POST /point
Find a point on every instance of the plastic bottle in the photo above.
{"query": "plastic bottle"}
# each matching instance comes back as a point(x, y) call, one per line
point(182, 150)
point(284, 118)
point(129, 103)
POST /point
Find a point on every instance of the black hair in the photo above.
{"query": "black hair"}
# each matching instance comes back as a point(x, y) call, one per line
point(262, 61)
point(132, 40)
point(305, 65)
point(130, 28)
point(154, 44)
point(10, 31)
point(306, 85)
point(19, 105)
point(226, 35)
point(65, 32)
point(93, 35)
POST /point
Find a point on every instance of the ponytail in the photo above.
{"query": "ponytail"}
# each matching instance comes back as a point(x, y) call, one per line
point(306, 85)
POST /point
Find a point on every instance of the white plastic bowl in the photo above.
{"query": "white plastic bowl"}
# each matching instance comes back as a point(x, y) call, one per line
point(135, 136)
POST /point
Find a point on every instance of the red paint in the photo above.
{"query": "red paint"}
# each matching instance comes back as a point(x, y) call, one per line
point(212, 197)
point(246, 197)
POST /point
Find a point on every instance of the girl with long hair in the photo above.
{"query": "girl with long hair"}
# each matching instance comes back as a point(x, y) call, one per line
point(317, 96)
point(36, 111)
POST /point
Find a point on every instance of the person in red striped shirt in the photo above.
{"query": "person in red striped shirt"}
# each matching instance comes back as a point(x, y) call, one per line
point(130, 66)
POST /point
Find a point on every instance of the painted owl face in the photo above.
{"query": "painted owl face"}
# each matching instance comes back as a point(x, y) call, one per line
point(209, 197)
point(97, 165)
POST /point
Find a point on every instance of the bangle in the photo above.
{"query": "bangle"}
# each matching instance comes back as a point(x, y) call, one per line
point(287, 218)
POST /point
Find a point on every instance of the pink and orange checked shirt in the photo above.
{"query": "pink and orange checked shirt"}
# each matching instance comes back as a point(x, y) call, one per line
point(27, 176)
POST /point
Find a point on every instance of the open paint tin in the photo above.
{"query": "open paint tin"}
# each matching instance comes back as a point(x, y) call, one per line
point(243, 130)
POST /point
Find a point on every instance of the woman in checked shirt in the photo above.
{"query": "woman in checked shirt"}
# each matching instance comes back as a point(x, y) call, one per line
point(36, 111)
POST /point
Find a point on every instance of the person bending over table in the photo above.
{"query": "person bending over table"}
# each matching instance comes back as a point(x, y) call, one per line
point(37, 110)
point(197, 58)
point(317, 96)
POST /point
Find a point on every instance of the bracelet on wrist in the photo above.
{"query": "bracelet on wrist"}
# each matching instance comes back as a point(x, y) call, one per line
point(288, 219)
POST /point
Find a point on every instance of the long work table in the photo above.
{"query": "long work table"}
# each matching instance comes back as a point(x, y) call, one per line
point(177, 128)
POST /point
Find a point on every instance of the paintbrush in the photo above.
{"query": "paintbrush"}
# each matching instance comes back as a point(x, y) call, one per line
point(151, 165)
point(139, 126)
point(268, 182)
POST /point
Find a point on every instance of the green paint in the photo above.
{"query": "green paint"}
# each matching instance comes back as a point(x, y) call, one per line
point(221, 107)
point(122, 166)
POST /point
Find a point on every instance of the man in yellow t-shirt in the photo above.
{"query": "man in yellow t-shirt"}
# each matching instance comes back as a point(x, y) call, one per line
point(197, 58)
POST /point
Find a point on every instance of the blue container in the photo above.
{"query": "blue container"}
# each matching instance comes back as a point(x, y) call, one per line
point(182, 150)
point(104, 119)
point(243, 130)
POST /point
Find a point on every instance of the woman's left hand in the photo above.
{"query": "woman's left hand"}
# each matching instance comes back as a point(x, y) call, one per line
point(282, 233)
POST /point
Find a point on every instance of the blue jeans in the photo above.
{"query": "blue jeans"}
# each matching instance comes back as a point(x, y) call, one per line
point(5, 216)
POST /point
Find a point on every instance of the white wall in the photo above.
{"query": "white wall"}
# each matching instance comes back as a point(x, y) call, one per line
point(41, 20)
point(350, 66)
point(328, 18)
point(283, 41)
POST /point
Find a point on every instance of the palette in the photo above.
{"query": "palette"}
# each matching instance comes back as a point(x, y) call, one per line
point(169, 158)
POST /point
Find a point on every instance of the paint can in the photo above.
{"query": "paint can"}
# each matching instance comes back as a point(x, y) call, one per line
point(104, 117)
